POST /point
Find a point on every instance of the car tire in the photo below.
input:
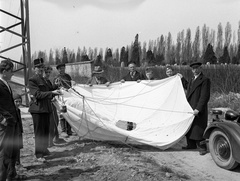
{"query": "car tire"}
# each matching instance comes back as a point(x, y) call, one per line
point(221, 150)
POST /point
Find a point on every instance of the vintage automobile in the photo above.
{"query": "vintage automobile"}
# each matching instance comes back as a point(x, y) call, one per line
point(223, 135)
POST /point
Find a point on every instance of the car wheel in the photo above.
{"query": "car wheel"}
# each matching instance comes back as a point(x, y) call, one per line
point(221, 150)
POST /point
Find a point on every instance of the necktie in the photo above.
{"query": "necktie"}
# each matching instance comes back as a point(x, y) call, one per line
point(131, 73)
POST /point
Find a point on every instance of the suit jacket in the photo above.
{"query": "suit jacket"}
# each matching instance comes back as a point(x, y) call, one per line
point(184, 83)
point(40, 94)
point(9, 112)
point(65, 81)
point(93, 81)
point(137, 76)
point(198, 95)
point(7, 105)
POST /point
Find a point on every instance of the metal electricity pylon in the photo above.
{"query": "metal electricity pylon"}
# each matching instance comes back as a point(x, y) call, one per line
point(22, 21)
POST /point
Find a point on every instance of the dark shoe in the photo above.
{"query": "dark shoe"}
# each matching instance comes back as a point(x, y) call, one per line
point(46, 153)
point(17, 177)
point(188, 147)
point(69, 132)
point(50, 145)
point(39, 155)
point(202, 152)
point(59, 141)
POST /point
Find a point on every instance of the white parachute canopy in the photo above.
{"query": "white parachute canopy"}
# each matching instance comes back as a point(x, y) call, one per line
point(158, 111)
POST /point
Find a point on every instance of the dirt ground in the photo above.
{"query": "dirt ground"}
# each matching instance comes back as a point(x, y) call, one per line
point(87, 160)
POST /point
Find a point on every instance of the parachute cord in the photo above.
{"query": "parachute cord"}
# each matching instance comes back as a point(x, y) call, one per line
point(70, 87)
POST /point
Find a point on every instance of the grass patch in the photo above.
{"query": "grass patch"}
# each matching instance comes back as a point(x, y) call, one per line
point(230, 100)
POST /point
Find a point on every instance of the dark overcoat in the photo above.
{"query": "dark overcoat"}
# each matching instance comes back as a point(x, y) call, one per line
point(40, 94)
point(8, 134)
point(198, 95)
point(93, 81)
point(137, 76)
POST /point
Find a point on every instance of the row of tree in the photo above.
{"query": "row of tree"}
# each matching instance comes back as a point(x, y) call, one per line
point(207, 46)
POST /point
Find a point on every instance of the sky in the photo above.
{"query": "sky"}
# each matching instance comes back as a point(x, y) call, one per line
point(112, 23)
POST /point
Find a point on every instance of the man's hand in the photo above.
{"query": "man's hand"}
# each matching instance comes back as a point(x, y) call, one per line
point(4, 122)
point(73, 82)
point(107, 84)
point(180, 75)
point(195, 112)
point(57, 82)
point(57, 92)
point(122, 81)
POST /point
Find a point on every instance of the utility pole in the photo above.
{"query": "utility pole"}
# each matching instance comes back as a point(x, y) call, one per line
point(23, 21)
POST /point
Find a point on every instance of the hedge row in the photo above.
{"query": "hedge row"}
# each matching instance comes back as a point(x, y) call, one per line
point(224, 78)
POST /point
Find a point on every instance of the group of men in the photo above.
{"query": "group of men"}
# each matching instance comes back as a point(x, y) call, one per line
point(42, 92)
point(197, 93)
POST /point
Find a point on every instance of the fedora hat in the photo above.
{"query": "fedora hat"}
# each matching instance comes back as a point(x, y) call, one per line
point(97, 70)
point(38, 62)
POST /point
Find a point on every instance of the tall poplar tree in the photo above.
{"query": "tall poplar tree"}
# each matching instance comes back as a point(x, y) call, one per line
point(64, 55)
point(238, 34)
point(196, 45)
point(78, 57)
point(124, 56)
point(205, 36)
point(135, 57)
point(178, 49)
point(219, 47)
point(187, 49)
point(108, 56)
point(51, 59)
point(168, 49)
point(212, 38)
point(228, 34)
point(57, 57)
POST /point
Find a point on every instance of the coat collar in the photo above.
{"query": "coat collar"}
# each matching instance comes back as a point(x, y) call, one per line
point(194, 84)
point(5, 86)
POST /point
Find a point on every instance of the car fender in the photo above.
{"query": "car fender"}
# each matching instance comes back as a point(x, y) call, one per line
point(232, 131)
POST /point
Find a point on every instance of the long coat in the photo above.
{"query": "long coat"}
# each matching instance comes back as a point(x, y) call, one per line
point(40, 94)
point(198, 95)
point(8, 134)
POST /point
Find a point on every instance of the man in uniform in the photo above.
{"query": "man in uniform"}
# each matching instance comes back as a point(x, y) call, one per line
point(40, 108)
point(63, 80)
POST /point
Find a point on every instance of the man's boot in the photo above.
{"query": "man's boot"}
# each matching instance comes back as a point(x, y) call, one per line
point(69, 129)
